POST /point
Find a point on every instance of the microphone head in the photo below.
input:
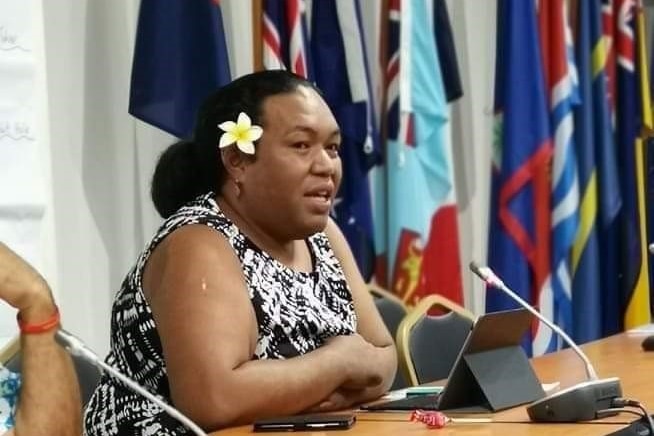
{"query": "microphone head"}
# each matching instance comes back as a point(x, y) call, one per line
point(474, 267)
point(486, 275)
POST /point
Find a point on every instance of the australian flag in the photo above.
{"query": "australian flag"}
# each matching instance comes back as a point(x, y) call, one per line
point(341, 72)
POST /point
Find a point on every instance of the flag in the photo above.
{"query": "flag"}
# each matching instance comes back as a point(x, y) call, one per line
point(593, 275)
point(635, 274)
point(632, 274)
point(422, 234)
point(297, 59)
point(649, 154)
point(609, 34)
point(561, 82)
point(446, 51)
point(284, 36)
point(341, 72)
point(391, 121)
point(519, 239)
point(275, 35)
point(180, 57)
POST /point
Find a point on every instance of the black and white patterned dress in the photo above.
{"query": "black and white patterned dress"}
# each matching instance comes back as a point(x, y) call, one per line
point(296, 313)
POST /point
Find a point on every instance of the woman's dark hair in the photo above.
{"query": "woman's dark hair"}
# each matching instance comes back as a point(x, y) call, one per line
point(189, 168)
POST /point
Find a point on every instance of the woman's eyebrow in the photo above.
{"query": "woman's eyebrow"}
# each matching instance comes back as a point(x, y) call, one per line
point(310, 130)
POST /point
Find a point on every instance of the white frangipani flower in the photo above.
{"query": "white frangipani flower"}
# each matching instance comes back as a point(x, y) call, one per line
point(241, 132)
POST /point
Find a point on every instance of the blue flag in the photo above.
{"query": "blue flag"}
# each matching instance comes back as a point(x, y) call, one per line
point(341, 72)
point(594, 271)
point(628, 129)
point(520, 214)
point(180, 57)
point(561, 77)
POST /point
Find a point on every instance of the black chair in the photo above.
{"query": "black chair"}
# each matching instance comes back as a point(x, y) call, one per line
point(88, 376)
point(429, 344)
point(392, 310)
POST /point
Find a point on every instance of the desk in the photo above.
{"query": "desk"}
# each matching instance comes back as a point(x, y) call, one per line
point(619, 356)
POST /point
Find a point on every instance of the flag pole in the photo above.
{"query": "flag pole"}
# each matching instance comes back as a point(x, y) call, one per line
point(257, 40)
point(383, 126)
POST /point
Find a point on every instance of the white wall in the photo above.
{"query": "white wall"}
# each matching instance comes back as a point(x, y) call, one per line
point(101, 159)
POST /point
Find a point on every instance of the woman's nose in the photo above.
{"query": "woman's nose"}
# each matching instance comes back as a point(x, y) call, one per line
point(323, 163)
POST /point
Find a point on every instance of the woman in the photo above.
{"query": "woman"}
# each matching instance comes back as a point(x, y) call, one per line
point(48, 398)
point(247, 303)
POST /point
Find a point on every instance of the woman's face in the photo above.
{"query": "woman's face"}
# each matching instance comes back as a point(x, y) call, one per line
point(289, 189)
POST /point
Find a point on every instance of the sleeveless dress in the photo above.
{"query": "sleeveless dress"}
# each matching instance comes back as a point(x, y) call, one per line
point(296, 313)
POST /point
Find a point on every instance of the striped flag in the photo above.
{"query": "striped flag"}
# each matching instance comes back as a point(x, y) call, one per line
point(391, 120)
point(422, 216)
point(561, 80)
point(341, 72)
point(275, 46)
point(284, 36)
point(519, 241)
point(296, 37)
point(598, 182)
point(179, 58)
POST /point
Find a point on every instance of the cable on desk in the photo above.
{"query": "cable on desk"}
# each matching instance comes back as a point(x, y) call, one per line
point(620, 405)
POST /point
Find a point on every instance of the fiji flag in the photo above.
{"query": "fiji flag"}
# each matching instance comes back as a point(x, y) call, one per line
point(341, 72)
point(422, 234)
point(519, 242)
point(180, 57)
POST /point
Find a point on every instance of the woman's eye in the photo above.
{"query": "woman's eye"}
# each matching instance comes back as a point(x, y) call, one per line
point(333, 149)
point(301, 145)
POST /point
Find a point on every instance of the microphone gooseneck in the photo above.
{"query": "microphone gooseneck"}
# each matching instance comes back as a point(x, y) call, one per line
point(76, 347)
point(582, 402)
point(491, 279)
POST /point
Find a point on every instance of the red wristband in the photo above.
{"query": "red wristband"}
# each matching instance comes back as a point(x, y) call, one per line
point(45, 326)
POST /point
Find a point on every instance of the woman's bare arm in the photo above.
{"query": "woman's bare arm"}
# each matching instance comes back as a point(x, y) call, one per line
point(208, 331)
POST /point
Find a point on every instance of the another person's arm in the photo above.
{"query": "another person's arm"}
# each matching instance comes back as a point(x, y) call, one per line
point(208, 331)
point(49, 401)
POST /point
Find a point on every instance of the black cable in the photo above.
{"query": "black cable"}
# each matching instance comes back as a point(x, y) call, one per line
point(614, 410)
point(649, 418)
point(626, 402)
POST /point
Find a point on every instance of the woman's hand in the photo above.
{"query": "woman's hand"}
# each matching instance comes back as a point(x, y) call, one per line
point(357, 355)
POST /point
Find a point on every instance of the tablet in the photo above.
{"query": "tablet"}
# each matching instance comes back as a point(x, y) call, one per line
point(305, 423)
point(490, 373)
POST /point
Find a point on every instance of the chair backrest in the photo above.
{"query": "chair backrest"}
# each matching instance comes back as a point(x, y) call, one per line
point(392, 310)
point(88, 375)
point(429, 344)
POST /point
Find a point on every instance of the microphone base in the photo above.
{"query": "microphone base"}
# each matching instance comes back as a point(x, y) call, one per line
point(580, 402)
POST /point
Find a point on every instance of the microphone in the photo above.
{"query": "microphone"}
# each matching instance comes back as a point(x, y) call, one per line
point(74, 346)
point(582, 402)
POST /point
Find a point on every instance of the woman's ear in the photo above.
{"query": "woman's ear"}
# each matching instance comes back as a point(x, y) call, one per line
point(234, 162)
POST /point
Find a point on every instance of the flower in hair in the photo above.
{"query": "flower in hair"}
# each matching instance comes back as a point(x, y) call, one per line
point(241, 132)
